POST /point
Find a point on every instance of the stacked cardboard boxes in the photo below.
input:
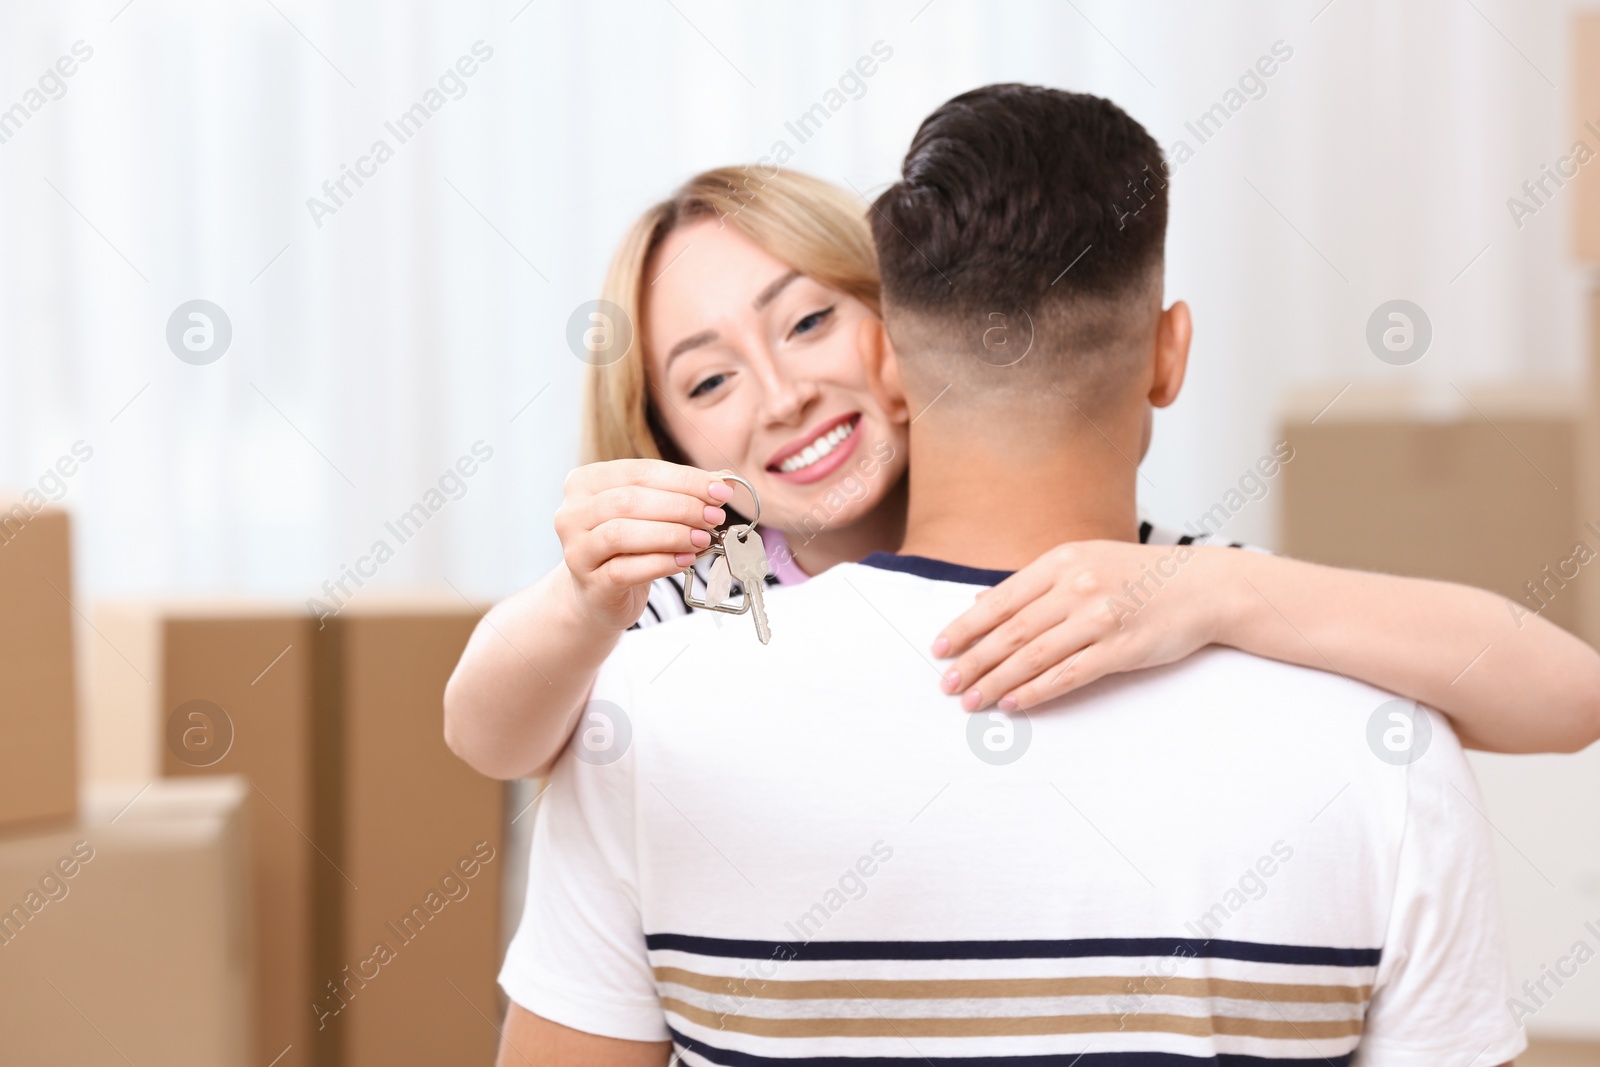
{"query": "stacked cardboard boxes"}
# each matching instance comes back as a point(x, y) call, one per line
point(377, 855)
point(179, 689)
point(123, 921)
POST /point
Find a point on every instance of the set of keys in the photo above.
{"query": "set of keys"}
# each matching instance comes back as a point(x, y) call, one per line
point(739, 556)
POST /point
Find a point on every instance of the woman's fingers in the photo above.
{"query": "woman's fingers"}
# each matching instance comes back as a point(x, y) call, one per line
point(632, 537)
point(1011, 634)
point(1088, 664)
point(1052, 661)
point(595, 478)
point(993, 607)
point(625, 571)
point(654, 505)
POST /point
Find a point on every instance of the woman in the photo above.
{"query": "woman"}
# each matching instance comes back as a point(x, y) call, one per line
point(756, 305)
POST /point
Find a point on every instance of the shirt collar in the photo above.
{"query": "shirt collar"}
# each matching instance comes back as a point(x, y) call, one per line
point(937, 569)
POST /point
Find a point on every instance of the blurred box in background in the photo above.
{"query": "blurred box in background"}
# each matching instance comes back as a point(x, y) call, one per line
point(1482, 489)
point(38, 716)
point(408, 942)
point(125, 938)
point(208, 688)
point(337, 725)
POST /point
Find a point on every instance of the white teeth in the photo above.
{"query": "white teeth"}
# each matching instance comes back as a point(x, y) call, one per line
point(818, 448)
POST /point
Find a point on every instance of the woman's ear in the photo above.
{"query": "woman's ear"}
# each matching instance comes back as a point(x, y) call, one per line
point(1173, 334)
point(883, 369)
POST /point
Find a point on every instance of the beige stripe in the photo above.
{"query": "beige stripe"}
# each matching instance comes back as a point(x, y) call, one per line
point(968, 988)
point(1034, 1026)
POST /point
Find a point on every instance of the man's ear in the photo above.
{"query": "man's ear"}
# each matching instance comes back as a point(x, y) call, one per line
point(883, 369)
point(1173, 333)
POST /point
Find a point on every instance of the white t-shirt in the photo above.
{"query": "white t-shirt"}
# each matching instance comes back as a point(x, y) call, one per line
point(804, 853)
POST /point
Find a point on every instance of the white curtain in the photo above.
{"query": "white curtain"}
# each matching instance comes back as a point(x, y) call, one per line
point(374, 343)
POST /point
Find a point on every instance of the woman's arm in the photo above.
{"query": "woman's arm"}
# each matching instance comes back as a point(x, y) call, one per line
point(520, 687)
point(521, 684)
point(1509, 680)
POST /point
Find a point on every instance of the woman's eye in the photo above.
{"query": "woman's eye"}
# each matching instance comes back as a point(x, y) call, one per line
point(708, 385)
point(813, 320)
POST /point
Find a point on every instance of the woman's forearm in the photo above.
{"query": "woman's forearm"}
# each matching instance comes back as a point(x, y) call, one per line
point(1509, 680)
point(516, 694)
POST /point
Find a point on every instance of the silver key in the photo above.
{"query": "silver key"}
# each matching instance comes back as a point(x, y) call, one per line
point(747, 561)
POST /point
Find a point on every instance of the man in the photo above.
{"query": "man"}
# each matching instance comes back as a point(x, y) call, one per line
point(793, 854)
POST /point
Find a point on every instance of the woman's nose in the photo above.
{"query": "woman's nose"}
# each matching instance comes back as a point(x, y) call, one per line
point(788, 397)
point(784, 401)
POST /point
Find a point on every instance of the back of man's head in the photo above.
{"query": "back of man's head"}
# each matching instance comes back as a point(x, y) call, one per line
point(1021, 250)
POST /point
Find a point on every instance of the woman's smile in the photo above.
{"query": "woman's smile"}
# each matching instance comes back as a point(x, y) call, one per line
point(817, 453)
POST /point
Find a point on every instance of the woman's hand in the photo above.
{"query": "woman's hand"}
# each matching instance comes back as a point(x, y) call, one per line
point(1080, 612)
point(625, 523)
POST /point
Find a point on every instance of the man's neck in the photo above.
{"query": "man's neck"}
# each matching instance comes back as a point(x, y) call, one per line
point(882, 530)
point(981, 504)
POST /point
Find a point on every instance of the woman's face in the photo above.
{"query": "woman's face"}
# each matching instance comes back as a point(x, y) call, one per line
point(758, 369)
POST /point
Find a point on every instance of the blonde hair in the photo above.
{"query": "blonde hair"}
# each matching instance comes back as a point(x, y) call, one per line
point(815, 227)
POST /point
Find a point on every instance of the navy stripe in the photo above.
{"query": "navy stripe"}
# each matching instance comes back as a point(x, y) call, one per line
point(1144, 532)
point(937, 569)
point(729, 1058)
point(1186, 539)
point(1078, 948)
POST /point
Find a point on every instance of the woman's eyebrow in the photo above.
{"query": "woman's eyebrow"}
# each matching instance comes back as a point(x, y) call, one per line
point(705, 337)
point(770, 293)
point(694, 340)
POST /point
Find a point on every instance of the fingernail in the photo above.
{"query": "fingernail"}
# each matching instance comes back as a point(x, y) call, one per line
point(941, 647)
point(952, 680)
point(971, 699)
point(683, 559)
point(699, 538)
point(720, 491)
point(715, 516)
point(1007, 704)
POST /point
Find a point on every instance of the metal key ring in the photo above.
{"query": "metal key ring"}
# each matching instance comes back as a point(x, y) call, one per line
point(756, 518)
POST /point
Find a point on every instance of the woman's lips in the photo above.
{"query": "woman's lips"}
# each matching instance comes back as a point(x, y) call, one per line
point(828, 463)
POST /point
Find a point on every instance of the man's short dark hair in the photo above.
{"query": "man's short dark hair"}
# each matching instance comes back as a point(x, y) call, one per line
point(1036, 210)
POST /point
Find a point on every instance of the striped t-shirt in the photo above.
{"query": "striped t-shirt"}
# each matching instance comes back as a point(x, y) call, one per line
point(666, 594)
point(804, 854)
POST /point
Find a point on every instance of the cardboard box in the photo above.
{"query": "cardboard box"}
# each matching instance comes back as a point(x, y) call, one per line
point(38, 714)
point(124, 938)
point(1485, 489)
point(1586, 129)
point(205, 688)
point(406, 963)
